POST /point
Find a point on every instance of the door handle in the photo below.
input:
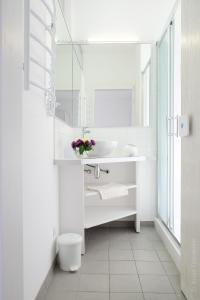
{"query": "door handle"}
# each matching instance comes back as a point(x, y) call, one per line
point(172, 131)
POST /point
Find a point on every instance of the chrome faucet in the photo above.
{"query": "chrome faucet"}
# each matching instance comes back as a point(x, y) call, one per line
point(85, 131)
point(98, 170)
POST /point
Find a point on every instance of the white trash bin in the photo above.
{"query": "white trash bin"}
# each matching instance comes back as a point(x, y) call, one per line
point(69, 251)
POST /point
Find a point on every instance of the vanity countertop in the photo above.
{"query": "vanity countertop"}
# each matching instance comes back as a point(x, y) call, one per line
point(101, 160)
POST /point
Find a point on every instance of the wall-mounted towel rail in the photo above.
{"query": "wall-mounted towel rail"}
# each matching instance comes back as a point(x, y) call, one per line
point(49, 84)
point(34, 37)
point(52, 13)
point(46, 90)
point(46, 27)
point(33, 60)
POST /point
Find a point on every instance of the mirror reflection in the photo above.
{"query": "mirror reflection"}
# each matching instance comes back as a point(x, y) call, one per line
point(102, 85)
point(117, 84)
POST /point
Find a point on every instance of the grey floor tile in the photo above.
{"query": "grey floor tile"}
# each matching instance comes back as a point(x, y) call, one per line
point(158, 245)
point(150, 228)
point(53, 294)
point(153, 236)
point(175, 282)
point(97, 231)
point(124, 283)
point(133, 234)
point(97, 244)
point(119, 234)
point(65, 281)
point(120, 245)
point(142, 244)
point(95, 267)
point(96, 255)
point(163, 255)
point(92, 296)
point(115, 254)
point(160, 297)
point(119, 237)
point(42, 294)
point(126, 296)
point(150, 267)
point(122, 267)
point(139, 238)
point(145, 255)
point(156, 284)
point(101, 236)
point(181, 297)
point(170, 268)
point(117, 251)
point(94, 283)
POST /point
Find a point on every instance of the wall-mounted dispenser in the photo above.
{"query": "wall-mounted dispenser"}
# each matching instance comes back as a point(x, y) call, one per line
point(183, 126)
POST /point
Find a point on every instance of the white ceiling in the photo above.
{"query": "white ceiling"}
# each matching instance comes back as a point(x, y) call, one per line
point(119, 20)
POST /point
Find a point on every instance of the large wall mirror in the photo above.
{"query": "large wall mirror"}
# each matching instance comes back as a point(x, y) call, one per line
point(102, 85)
point(117, 84)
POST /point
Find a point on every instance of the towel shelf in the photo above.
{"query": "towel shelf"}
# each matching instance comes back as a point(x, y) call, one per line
point(97, 215)
point(89, 193)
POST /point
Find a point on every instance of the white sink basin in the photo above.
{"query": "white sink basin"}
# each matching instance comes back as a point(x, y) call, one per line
point(103, 149)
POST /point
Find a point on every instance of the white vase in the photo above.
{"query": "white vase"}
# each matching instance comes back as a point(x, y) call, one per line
point(131, 150)
point(81, 156)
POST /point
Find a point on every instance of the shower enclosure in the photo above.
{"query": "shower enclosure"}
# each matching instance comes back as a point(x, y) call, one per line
point(169, 142)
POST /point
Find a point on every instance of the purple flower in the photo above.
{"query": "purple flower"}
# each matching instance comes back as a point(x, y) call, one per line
point(73, 145)
point(79, 143)
point(87, 143)
point(83, 145)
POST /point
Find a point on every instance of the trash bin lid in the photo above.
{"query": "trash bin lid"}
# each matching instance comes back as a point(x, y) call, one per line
point(69, 239)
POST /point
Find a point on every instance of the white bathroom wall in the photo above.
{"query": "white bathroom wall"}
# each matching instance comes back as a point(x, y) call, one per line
point(64, 135)
point(40, 179)
point(190, 164)
point(119, 20)
point(11, 81)
point(40, 193)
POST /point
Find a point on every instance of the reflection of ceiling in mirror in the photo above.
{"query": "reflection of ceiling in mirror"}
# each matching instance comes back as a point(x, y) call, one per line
point(62, 30)
point(121, 20)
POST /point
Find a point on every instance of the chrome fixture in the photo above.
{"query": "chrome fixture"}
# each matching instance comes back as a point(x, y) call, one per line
point(88, 171)
point(85, 131)
point(98, 170)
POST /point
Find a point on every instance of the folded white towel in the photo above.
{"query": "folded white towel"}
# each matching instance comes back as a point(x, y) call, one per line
point(109, 190)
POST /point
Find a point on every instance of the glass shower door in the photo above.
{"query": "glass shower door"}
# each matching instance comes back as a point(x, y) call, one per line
point(169, 142)
point(163, 97)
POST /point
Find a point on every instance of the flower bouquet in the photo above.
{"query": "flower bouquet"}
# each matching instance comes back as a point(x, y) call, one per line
point(81, 146)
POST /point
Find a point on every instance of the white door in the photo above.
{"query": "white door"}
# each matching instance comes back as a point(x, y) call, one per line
point(191, 150)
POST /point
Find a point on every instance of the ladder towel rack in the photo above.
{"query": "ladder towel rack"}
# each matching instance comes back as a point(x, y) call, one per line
point(49, 84)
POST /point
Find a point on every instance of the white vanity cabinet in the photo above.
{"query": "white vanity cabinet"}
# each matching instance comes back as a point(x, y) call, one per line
point(81, 209)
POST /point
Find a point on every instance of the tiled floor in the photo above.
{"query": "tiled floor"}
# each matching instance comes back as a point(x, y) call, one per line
point(120, 265)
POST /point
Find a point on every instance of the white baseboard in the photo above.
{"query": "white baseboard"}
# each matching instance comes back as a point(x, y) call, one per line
point(170, 243)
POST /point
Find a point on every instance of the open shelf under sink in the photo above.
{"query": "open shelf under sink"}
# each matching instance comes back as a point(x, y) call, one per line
point(97, 215)
point(89, 193)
